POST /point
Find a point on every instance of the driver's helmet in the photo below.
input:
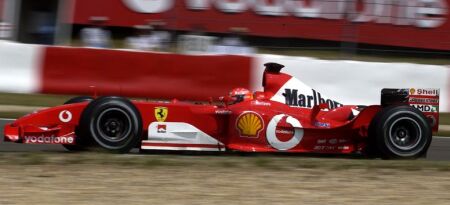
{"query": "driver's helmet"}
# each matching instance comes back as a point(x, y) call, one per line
point(240, 95)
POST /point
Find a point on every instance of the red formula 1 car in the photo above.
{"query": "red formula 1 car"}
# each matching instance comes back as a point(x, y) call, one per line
point(287, 116)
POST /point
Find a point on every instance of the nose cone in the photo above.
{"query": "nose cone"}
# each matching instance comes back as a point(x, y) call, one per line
point(11, 133)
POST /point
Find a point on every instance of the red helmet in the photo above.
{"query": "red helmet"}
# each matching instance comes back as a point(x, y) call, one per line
point(240, 95)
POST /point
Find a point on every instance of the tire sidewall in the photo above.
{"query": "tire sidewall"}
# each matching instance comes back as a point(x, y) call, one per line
point(384, 139)
point(91, 116)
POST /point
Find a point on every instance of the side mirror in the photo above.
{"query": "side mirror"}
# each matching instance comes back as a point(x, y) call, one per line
point(316, 109)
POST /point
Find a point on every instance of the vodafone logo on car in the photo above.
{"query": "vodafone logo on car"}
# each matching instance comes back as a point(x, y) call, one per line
point(49, 139)
point(418, 13)
point(284, 132)
point(65, 116)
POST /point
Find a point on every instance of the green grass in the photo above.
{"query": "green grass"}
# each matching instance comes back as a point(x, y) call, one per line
point(443, 133)
point(12, 115)
point(40, 100)
point(444, 118)
point(263, 161)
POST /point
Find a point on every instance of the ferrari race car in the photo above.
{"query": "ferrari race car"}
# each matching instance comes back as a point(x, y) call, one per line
point(288, 116)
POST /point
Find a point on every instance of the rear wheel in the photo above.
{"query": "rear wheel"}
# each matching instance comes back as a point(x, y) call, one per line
point(81, 142)
point(113, 122)
point(400, 132)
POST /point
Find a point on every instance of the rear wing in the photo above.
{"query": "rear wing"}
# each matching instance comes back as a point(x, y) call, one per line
point(424, 99)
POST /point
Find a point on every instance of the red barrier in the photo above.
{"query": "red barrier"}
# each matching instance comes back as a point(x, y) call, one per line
point(1, 9)
point(408, 23)
point(142, 74)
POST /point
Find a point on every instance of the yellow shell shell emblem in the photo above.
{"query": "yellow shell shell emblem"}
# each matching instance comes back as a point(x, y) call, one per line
point(412, 91)
point(161, 113)
point(249, 124)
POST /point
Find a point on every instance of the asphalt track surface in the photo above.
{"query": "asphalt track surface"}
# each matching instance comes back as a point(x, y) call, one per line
point(439, 149)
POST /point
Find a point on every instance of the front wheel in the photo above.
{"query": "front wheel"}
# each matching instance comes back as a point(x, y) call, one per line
point(401, 132)
point(113, 122)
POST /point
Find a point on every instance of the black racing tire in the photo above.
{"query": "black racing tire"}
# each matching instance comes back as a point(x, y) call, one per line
point(81, 142)
point(400, 132)
point(114, 123)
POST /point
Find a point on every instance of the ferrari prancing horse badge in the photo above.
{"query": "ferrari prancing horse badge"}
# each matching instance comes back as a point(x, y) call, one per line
point(161, 113)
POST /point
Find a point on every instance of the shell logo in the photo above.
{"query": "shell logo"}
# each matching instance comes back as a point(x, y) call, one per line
point(412, 91)
point(249, 124)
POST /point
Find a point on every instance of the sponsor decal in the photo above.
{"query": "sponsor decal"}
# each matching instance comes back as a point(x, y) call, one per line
point(412, 91)
point(296, 99)
point(161, 113)
point(426, 108)
point(223, 112)
point(49, 139)
point(284, 132)
point(329, 142)
point(424, 100)
point(65, 116)
point(321, 141)
point(332, 141)
point(322, 124)
point(324, 147)
point(262, 103)
point(249, 124)
point(161, 128)
point(343, 147)
point(427, 92)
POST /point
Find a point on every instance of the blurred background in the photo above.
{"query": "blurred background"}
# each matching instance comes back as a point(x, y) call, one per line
point(54, 50)
point(348, 49)
point(370, 30)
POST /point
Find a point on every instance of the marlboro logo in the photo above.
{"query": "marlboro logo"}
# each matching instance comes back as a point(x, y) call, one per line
point(293, 98)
